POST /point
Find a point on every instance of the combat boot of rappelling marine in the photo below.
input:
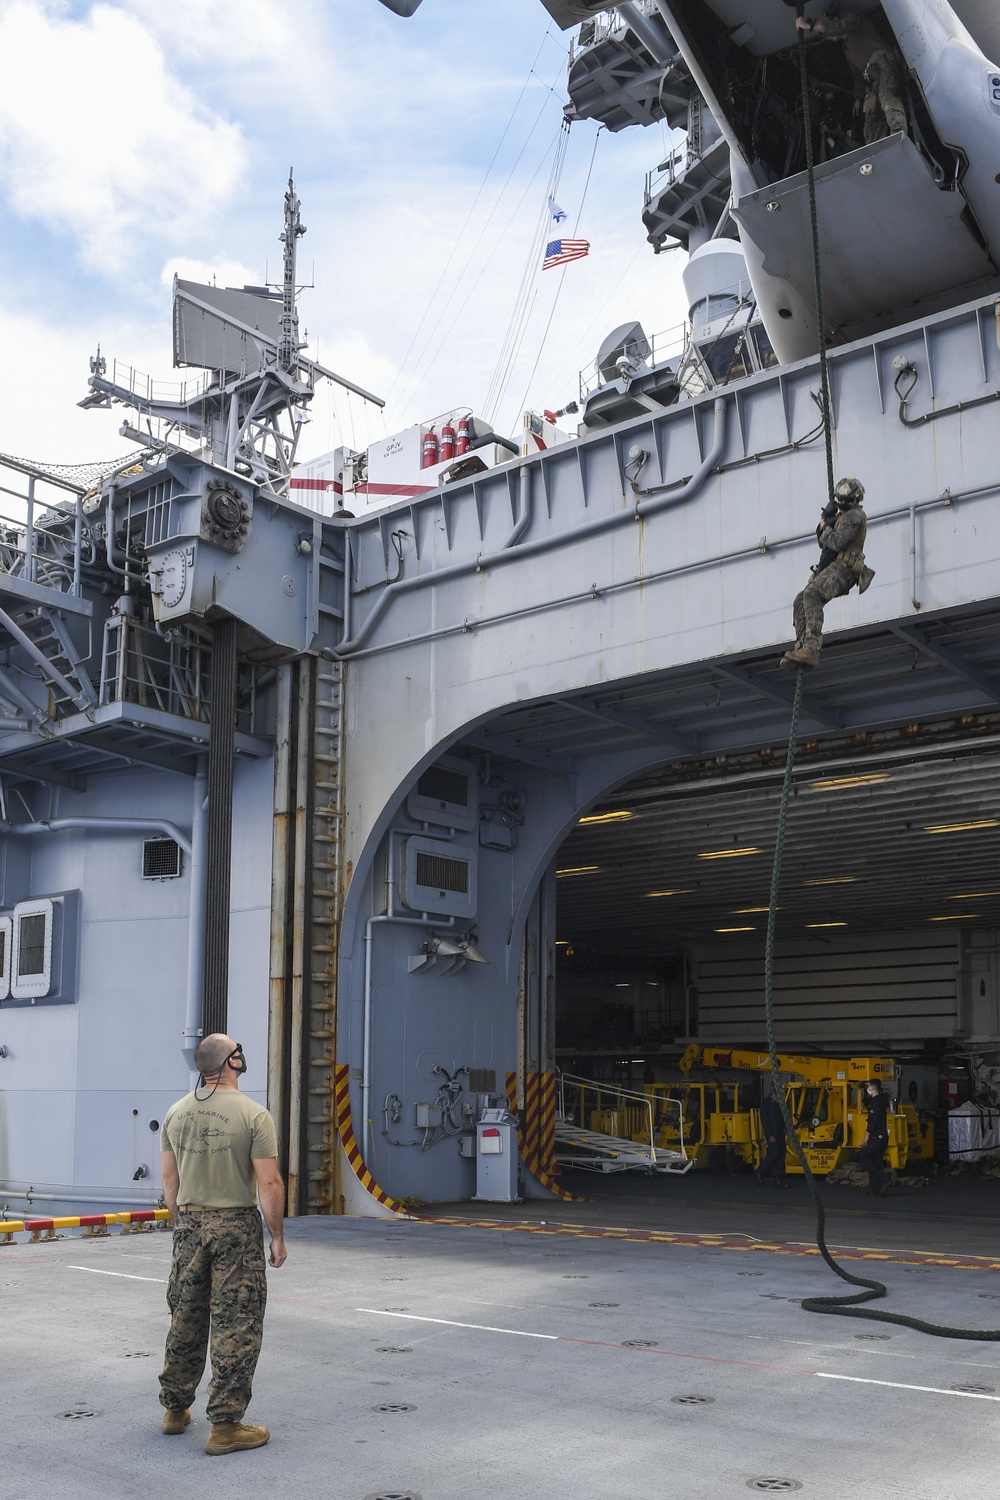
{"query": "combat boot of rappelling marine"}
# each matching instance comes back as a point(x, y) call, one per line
point(800, 657)
point(175, 1422)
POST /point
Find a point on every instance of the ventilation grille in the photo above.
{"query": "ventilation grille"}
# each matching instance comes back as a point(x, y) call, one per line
point(443, 874)
point(445, 786)
point(31, 949)
point(161, 859)
point(482, 1080)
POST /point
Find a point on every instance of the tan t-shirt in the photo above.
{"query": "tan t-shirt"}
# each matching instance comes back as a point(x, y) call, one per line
point(213, 1141)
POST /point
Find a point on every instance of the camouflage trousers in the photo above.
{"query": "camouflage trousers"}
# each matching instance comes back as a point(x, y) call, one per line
point(217, 1289)
point(884, 111)
point(807, 610)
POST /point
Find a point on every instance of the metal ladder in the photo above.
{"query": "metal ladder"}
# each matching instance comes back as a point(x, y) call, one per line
point(326, 893)
point(46, 630)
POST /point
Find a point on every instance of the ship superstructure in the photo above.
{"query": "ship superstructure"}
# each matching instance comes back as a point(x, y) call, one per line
point(330, 776)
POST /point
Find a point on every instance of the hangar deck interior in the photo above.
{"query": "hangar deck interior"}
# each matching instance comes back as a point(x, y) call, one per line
point(889, 901)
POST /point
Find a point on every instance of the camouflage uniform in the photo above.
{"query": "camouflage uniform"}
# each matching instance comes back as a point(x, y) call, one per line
point(877, 71)
point(217, 1274)
point(846, 535)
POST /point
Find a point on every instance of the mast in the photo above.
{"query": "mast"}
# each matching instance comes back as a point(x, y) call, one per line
point(294, 228)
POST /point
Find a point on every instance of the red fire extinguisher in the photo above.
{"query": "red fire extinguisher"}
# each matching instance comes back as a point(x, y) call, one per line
point(462, 445)
point(430, 449)
point(447, 442)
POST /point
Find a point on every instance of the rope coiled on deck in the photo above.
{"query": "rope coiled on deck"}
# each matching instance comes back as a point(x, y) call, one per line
point(846, 1306)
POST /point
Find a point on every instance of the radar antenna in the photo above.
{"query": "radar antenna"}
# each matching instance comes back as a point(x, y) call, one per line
point(249, 406)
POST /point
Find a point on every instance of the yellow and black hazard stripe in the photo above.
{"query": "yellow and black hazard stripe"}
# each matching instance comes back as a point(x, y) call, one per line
point(345, 1128)
point(537, 1129)
point(716, 1242)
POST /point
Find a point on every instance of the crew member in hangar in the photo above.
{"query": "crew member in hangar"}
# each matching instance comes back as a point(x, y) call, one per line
point(877, 70)
point(772, 1122)
point(871, 1157)
point(841, 537)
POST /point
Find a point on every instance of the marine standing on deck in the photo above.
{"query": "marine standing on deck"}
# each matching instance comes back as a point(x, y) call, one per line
point(219, 1149)
point(877, 70)
point(841, 537)
point(871, 1157)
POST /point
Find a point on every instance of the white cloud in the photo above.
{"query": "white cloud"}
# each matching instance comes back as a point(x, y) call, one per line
point(99, 140)
point(113, 129)
point(41, 419)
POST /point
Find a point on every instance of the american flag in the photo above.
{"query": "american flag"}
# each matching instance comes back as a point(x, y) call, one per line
point(557, 252)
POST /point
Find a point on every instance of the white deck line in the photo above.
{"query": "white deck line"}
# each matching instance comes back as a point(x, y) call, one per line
point(381, 1312)
point(125, 1274)
point(934, 1390)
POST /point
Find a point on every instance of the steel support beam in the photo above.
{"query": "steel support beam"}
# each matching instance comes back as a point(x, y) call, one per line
point(831, 717)
point(119, 746)
point(219, 828)
point(948, 657)
point(36, 770)
point(512, 749)
point(607, 713)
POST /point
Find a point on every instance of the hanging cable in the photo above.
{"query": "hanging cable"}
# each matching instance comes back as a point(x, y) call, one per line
point(420, 356)
point(846, 1306)
point(824, 368)
point(479, 193)
point(460, 309)
point(555, 301)
point(524, 303)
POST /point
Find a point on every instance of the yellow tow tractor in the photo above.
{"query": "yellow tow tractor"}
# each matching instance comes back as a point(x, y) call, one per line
point(824, 1097)
point(715, 1119)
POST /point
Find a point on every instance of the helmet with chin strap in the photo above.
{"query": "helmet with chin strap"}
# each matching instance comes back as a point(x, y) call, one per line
point(848, 492)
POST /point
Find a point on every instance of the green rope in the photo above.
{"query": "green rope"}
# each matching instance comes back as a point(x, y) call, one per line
point(847, 1306)
point(824, 366)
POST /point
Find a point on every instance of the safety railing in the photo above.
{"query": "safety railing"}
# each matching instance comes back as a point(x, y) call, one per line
point(675, 168)
point(168, 671)
point(41, 539)
point(662, 346)
point(145, 388)
point(622, 1114)
point(609, 23)
point(93, 1225)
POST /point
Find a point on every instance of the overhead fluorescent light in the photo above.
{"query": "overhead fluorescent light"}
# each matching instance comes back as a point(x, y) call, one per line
point(973, 895)
point(608, 817)
point(832, 880)
point(681, 891)
point(736, 929)
point(562, 942)
point(961, 827)
point(835, 783)
point(750, 911)
point(578, 870)
point(955, 916)
point(826, 924)
point(727, 853)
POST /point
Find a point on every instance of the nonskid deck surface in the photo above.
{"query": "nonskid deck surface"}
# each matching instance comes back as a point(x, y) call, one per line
point(530, 1363)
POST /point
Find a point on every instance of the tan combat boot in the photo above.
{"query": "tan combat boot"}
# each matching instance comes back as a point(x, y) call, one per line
point(175, 1421)
point(231, 1437)
point(800, 657)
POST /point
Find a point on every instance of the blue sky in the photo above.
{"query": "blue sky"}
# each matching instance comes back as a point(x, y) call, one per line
point(140, 137)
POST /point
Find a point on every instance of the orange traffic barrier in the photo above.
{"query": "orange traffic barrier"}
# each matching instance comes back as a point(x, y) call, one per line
point(91, 1224)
